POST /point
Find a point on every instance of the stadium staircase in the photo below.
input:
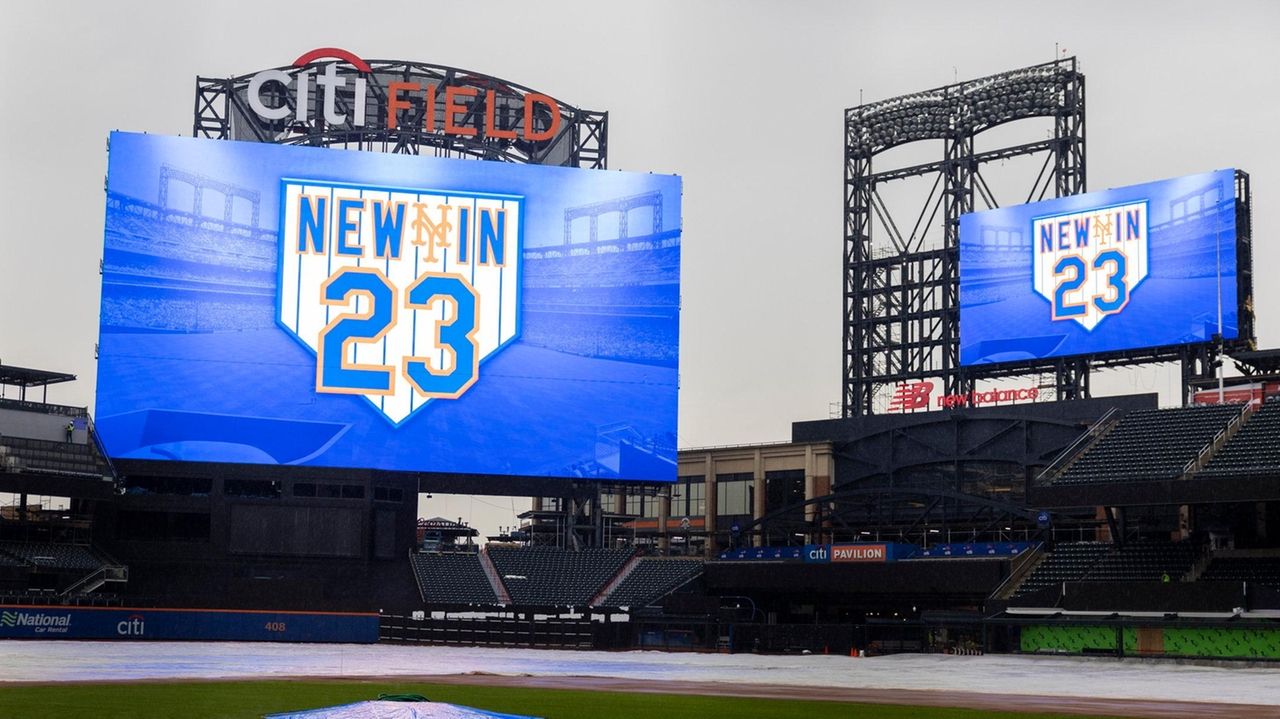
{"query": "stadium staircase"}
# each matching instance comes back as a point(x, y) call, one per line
point(598, 599)
point(1197, 570)
point(1253, 449)
point(111, 571)
point(1080, 447)
point(97, 567)
point(1021, 568)
point(495, 581)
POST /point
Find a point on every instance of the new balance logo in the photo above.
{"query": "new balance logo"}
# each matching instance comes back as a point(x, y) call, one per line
point(911, 396)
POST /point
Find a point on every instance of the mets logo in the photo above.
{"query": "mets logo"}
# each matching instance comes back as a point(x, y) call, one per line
point(400, 293)
point(1087, 264)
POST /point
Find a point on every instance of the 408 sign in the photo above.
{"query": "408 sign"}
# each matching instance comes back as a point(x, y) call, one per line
point(400, 293)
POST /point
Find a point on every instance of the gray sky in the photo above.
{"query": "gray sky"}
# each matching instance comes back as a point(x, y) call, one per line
point(743, 99)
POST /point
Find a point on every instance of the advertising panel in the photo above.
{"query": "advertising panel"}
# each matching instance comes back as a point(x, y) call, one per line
point(37, 622)
point(1148, 265)
point(270, 304)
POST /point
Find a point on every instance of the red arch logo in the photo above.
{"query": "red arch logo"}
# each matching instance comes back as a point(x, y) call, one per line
point(337, 53)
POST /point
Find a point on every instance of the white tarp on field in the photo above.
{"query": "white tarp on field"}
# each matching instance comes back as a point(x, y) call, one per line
point(51, 661)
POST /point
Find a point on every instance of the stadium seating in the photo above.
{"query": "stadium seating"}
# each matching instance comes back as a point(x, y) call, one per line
point(556, 577)
point(452, 578)
point(1149, 445)
point(1145, 560)
point(10, 560)
point(651, 579)
point(1255, 449)
point(1254, 570)
point(50, 555)
point(1068, 562)
point(40, 455)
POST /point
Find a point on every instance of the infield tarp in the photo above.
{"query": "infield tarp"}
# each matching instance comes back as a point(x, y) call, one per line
point(396, 710)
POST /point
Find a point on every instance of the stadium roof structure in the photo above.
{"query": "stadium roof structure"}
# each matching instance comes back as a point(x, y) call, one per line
point(24, 377)
point(1258, 362)
point(447, 527)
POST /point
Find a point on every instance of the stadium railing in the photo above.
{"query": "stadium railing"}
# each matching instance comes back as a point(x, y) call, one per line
point(1076, 449)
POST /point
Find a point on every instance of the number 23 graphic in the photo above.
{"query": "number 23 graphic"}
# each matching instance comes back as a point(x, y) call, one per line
point(1071, 272)
point(454, 334)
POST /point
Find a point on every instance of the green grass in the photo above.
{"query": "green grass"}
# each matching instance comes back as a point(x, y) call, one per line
point(253, 699)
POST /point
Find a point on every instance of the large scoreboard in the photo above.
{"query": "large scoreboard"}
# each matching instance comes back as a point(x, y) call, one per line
point(1151, 265)
point(271, 304)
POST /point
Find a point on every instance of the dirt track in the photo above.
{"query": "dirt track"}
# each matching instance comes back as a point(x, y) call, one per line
point(951, 699)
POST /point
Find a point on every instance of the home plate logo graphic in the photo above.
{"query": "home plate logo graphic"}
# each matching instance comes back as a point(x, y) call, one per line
point(400, 293)
point(1087, 264)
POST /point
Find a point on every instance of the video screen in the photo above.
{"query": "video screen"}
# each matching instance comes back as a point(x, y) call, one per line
point(281, 305)
point(1149, 265)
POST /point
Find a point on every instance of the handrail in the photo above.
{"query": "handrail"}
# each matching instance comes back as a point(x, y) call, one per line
point(99, 573)
point(1220, 438)
point(43, 407)
point(102, 449)
point(1068, 455)
point(1018, 570)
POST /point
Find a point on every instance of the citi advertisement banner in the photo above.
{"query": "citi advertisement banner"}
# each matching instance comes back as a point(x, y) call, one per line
point(268, 304)
point(1135, 267)
point(33, 622)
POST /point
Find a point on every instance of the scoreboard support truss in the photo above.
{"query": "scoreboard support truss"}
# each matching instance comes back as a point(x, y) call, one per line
point(901, 269)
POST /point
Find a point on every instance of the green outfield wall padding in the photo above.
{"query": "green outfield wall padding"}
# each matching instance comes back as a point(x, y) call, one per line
point(1223, 643)
point(1130, 641)
point(1208, 642)
point(1072, 640)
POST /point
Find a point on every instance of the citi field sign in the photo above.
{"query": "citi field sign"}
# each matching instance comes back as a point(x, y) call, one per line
point(337, 83)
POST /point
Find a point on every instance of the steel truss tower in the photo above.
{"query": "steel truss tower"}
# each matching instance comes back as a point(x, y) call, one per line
point(901, 292)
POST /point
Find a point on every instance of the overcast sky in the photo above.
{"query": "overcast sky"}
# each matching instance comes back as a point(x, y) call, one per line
point(743, 99)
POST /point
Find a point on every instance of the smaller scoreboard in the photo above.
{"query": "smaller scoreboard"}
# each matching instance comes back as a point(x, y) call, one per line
point(1149, 265)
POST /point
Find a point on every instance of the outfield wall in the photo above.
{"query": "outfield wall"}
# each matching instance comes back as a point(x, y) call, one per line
point(1199, 642)
point(54, 622)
